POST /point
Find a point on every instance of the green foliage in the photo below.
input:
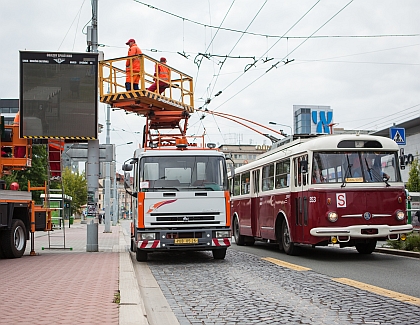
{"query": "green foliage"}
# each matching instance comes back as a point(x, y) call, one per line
point(412, 243)
point(37, 174)
point(75, 185)
point(413, 183)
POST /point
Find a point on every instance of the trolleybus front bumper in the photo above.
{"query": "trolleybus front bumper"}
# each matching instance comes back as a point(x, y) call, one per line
point(362, 231)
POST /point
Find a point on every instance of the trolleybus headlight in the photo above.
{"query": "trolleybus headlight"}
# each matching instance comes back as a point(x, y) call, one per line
point(400, 215)
point(222, 234)
point(403, 237)
point(332, 216)
point(147, 236)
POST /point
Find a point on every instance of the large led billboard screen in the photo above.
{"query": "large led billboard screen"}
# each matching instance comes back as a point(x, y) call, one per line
point(58, 95)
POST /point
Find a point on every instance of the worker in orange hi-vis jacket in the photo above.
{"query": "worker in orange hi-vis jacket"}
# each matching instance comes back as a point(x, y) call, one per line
point(164, 75)
point(132, 66)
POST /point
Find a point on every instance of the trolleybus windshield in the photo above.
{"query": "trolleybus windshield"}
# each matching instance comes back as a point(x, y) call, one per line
point(355, 167)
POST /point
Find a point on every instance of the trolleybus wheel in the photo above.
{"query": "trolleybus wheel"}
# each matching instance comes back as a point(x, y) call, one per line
point(141, 256)
point(366, 248)
point(288, 246)
point(239, 239)
point(219, 254)
point(13, 240)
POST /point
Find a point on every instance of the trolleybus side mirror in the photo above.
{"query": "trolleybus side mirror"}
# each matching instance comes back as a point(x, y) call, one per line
point(304, 166)
point(402, 162)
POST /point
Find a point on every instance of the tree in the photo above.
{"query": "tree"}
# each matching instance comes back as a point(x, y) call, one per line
point(413, 183)
point(75, 185)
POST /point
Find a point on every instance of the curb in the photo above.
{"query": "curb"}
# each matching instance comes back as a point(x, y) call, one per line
point(397, 252)
point(131, 307)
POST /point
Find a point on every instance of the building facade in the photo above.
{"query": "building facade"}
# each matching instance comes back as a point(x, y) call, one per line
point(312, 119)
point(242, 154)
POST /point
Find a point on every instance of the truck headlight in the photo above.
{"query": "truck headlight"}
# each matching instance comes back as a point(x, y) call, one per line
point(332, 216)
point(400, 215)
point(147, 236)
point(222, 234)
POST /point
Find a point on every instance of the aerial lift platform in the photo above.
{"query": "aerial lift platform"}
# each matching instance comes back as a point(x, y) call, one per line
point(167, 111)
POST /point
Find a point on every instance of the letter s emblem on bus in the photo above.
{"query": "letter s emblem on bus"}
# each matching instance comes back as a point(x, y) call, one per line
point(341, 200)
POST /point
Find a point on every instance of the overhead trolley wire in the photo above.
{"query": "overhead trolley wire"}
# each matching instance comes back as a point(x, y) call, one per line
point(275, 65)
point(274, 36)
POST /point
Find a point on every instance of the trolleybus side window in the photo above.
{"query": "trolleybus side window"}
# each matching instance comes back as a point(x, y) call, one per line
point(237, 184)
point(282, 174)
point(268, 177)
point(245, 184)
point(298, 170)
point(256, 181)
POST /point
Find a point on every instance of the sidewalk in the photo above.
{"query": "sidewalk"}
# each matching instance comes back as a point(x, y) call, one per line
point(63, 286)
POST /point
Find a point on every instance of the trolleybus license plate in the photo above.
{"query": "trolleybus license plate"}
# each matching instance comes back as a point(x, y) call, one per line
point(186, 241)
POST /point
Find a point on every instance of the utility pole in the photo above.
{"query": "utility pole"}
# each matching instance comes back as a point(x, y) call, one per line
point(107, 182)
point(92, 166)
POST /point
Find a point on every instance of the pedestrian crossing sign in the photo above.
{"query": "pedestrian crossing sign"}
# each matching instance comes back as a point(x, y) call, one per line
point(398, 135)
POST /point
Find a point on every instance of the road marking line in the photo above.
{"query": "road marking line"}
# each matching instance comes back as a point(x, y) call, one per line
point(380, 291)
point(286, 264)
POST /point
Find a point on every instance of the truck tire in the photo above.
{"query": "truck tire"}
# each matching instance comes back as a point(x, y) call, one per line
point(1, 250)
point(13, 240)
point(133, 245)
point(219, 254)
point(141, 256)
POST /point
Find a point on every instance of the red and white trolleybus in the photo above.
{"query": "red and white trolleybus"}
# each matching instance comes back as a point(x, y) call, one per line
point(339, 189)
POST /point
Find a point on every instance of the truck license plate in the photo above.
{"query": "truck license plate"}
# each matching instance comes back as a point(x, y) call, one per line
point(186, 241)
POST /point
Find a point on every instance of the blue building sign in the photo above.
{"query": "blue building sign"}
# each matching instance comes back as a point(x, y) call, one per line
point(398, 135)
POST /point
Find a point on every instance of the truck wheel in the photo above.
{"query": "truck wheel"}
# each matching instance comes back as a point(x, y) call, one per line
point(366, 248)
point(288, 246)
point(219, 254)
point(141, 256)
point(1, 250)
point(239, 239)
point(133, 245)
point(13, 240)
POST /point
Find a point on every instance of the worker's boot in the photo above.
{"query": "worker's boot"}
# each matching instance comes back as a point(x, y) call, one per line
point(128, 86)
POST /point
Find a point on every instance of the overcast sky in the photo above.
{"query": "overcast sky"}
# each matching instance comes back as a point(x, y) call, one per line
point(361, 58)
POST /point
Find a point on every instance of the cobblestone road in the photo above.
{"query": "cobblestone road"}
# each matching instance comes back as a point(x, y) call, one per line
point(243, 290)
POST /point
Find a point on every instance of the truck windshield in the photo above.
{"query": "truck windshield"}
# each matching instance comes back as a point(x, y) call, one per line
point(355, 167)
point(183, 173)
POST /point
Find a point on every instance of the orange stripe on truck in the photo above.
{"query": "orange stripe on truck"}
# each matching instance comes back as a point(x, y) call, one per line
point(140, 209)
point(227, 203)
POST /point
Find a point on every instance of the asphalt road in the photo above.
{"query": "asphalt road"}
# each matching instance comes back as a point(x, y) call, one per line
point(247, 289)
point(396, 273)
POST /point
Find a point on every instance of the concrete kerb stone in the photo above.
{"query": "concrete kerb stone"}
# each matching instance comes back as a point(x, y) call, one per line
point(131, 308)
point(397, 252)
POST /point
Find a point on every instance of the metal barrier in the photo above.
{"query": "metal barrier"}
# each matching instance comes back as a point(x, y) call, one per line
point(112, 87)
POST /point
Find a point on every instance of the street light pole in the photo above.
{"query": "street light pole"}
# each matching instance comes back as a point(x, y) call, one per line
point(274, 123)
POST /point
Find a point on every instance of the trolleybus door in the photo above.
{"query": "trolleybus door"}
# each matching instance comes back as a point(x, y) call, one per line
point(255, 200)
point(301, 200)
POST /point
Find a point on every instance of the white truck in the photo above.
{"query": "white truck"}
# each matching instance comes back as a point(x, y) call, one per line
point(180, 201)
